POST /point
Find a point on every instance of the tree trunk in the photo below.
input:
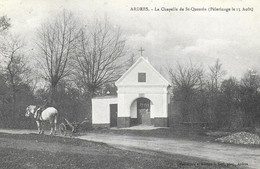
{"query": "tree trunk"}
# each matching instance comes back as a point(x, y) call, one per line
point(52, 95)
point(13, 106)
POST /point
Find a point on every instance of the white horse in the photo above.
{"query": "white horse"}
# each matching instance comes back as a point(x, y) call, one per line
point(49, 113)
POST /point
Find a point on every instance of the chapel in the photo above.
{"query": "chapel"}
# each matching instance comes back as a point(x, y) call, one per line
point(142, 99)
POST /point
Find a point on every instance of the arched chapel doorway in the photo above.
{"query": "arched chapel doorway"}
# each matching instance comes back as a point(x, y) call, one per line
point(141, 112)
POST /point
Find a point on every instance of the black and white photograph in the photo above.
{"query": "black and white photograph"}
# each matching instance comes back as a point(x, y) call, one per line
point(129, 84)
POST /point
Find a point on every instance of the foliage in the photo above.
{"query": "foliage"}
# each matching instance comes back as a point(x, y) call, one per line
point(186, 81)
point(202, 97)
point(71, 104)
point(4, 23)
point(14, 81)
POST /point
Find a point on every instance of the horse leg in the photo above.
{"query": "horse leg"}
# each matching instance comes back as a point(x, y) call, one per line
point(41, 124)
point(51, 133)
point(55, 124)
point(38, 126)
point(51, 124)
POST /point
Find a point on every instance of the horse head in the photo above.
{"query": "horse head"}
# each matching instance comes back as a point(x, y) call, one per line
point(30, 110)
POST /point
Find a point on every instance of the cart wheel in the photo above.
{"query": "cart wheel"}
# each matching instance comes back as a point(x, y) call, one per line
point(62, 128)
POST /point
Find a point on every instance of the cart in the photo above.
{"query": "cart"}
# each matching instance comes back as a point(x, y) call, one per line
point(69, 128)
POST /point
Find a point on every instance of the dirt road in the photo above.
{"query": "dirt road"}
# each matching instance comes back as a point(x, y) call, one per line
point(33, 151)
point(222, 153)
point(250, 157)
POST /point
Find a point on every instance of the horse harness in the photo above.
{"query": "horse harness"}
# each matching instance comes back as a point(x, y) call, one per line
point(38, 112)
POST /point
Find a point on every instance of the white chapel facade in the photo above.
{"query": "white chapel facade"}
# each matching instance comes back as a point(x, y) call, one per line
point(142, 99)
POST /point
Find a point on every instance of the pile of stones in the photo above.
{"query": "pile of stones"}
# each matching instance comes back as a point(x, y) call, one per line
point(241, 138)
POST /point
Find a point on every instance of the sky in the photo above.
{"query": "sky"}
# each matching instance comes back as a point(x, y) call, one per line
point(167, 37)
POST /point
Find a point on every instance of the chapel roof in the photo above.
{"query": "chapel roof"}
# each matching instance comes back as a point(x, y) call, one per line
point(148, 64)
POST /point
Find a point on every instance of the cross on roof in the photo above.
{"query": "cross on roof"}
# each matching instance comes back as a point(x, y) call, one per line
point(141, 50)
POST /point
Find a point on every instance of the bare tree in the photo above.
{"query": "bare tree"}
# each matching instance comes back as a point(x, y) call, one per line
point(186, 80)
point(98, 56)
point(56, 43)
point(130, 61)
point(16, 69)
point(216, 75)
point(214, 81)
point(4, 23)
point(251, 80)
point(187, 76)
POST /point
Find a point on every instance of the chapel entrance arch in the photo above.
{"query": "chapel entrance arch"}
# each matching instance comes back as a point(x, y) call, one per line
point(141, 112)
